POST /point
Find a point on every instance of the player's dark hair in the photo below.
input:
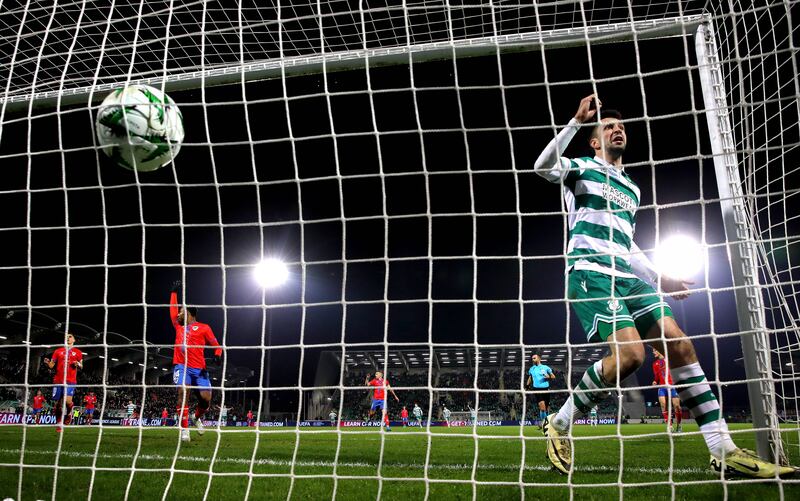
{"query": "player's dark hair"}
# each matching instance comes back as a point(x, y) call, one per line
point(604, 113)
point(610, 114)
point(192, 310)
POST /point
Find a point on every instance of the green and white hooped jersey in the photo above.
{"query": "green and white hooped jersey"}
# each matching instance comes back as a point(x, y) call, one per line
point(601, 201)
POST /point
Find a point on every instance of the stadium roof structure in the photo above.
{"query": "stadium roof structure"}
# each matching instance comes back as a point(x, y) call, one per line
point(467, 356)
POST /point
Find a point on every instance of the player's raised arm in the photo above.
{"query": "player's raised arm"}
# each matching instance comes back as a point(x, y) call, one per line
point(173, 302)
point(550, 164)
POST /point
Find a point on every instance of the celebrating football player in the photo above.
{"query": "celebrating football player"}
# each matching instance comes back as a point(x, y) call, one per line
point(191, 338)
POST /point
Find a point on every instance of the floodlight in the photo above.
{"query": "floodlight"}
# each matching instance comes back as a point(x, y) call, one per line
point(271, 273)
point(680, 256)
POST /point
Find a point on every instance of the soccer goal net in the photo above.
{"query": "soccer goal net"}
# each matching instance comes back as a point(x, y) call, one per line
point(355, 194)
point(468, 418)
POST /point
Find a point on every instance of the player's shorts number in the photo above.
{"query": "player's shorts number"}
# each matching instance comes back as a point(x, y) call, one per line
point(191, 376)
point(58, 391)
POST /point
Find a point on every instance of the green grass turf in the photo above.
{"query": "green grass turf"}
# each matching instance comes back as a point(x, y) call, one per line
point(645, 459)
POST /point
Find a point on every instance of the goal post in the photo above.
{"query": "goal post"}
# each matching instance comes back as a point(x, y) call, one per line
point(741, 250)
point(16, 101)
point(467, 416)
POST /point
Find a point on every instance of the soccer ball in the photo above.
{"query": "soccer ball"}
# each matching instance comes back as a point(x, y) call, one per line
point(139, 127)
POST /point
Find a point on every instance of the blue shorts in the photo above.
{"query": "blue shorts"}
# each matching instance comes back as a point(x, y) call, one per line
point(36, 411)
point(58, 391)
point(378, 403)
point(181, 375)
point(88, 412)
point(405, 420)
point(662, 392)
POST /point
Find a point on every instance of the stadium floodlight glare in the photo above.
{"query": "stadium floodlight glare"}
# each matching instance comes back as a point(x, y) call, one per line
point(680, 256)
point(271, 273)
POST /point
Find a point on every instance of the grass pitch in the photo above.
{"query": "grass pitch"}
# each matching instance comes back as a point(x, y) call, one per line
point(368, 464)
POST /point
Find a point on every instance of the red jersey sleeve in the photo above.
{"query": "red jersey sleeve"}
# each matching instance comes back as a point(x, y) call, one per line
point(173, 309)
point(212, 341)
point(78, 357)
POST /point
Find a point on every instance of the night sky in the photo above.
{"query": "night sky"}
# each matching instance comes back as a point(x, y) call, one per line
point(449, 169)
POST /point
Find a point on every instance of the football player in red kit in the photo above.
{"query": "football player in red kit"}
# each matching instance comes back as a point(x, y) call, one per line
point(663, 379)
point(380, 385)
point(66, 361)
point(38, 402)
point(191, 338)
point(89, 402)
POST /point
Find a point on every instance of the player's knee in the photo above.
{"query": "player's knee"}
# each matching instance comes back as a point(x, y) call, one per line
point(631, 358)
point(680, 348)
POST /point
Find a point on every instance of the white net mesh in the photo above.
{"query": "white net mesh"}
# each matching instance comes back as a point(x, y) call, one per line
point(762, 84)
point(396, 181)
point(255, 31)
